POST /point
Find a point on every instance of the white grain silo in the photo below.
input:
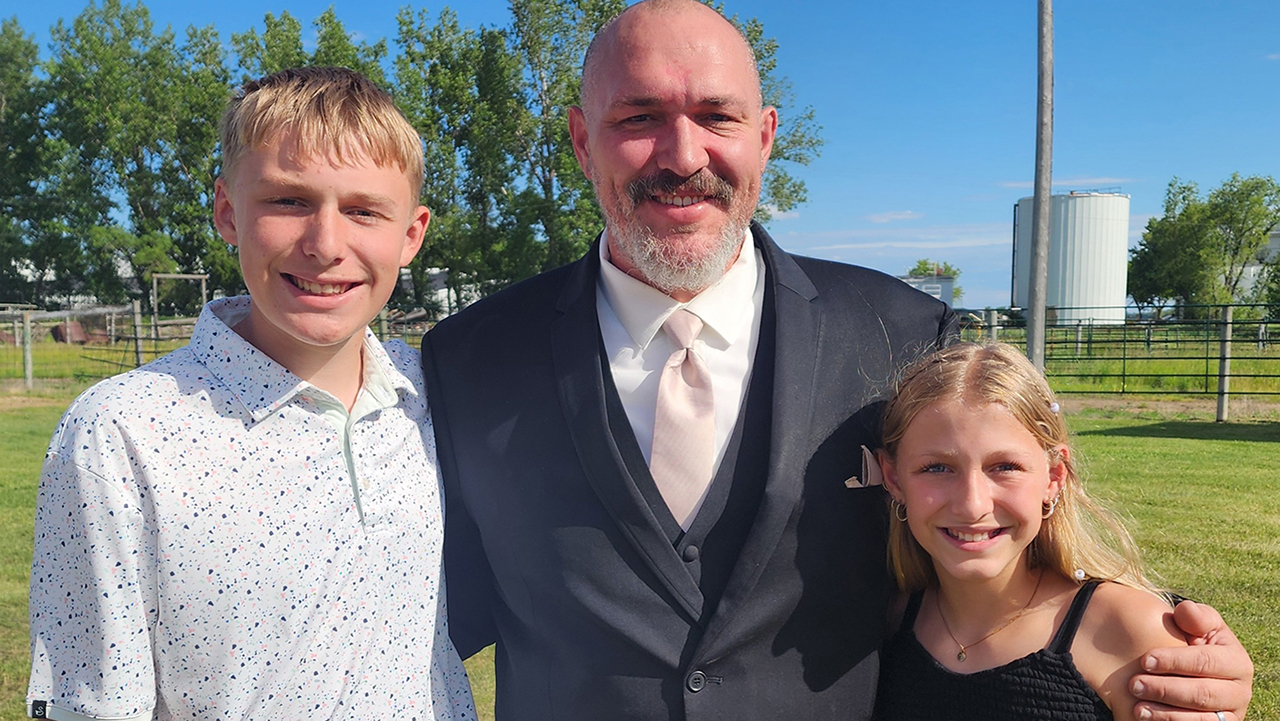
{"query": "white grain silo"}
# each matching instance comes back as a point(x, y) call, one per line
point(1088, 257)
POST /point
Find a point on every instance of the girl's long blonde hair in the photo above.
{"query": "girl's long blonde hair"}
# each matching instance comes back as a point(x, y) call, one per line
point(1080, 535)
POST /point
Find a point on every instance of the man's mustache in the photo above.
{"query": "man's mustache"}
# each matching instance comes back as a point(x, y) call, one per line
point(665, 182)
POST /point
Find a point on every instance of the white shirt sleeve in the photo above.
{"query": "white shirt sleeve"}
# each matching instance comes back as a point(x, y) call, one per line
point(92, 599)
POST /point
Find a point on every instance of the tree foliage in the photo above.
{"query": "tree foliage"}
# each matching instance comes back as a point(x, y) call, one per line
point(925, 268)
point(109, 148)
point(1197, 252)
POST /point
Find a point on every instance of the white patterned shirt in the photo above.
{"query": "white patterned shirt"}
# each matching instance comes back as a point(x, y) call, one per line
point(210, 545)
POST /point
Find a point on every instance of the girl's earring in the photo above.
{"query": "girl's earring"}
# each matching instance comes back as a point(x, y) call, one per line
point(1047, 508)
point(899, 509)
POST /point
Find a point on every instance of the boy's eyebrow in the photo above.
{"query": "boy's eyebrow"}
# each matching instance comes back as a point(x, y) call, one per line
point(362, 197)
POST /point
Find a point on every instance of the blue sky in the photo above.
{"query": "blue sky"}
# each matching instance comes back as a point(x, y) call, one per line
point(928, 108)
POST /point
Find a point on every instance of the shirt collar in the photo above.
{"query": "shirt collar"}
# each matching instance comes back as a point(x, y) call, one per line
point(642, 309)
point(264, 386)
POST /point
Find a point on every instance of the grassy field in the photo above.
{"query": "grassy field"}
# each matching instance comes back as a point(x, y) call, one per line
point(1201, 498)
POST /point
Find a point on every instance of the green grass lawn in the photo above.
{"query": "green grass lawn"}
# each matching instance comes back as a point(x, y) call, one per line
point(1200, 497)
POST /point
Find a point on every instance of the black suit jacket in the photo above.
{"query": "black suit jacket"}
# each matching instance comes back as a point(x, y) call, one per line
point(552, 552)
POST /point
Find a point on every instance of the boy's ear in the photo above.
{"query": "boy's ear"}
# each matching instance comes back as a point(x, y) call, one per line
point(224, 215)
point(419, 219)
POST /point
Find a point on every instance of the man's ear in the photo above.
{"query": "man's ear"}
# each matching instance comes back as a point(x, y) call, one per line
point(768, 131)
point(578, 134)
point(224, 215)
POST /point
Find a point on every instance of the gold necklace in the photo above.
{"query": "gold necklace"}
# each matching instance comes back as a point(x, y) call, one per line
point(962, 655)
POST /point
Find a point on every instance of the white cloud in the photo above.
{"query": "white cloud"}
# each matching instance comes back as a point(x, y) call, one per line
point(1078, 182)
point(775, 214)
point(894, 215)
point(1273, 56)
point(975, 235)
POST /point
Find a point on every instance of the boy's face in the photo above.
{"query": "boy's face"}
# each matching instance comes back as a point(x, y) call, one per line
point(321, 246)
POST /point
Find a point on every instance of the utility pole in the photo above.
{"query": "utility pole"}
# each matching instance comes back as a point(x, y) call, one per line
point(1042, 203)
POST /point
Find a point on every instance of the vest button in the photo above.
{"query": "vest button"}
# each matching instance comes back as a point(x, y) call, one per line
point(697, 681)
point(690, 553)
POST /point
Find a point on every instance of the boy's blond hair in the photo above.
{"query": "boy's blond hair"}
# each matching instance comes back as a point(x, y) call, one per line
point(331, 112)
point(1080, 535)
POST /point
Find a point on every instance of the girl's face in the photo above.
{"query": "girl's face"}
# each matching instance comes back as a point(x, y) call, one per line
point(973, 479)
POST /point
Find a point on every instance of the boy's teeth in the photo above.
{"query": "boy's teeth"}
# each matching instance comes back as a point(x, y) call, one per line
point(320, 288)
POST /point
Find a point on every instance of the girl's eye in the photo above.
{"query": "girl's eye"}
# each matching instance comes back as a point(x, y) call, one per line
point(1008, 467)
point(934, 468)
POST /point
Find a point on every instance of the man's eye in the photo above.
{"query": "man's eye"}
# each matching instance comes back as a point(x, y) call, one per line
point(934, 468)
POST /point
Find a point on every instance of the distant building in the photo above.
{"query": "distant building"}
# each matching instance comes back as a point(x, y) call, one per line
point(1253, 271)
point(939, 286)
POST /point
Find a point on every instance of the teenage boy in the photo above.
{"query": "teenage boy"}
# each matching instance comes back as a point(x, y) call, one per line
point(250, 527)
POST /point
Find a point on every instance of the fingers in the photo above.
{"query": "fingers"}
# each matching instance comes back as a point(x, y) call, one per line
point(1145, 711)
point(1199, 620)
point(1201, 694)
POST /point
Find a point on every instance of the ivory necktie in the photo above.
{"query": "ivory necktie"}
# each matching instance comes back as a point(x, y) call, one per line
point(684, 426)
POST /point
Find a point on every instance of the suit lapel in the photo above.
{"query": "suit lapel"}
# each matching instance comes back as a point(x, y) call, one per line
point(797, 333)
point(575, 343)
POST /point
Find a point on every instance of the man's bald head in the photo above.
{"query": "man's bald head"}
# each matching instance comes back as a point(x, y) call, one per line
point(623, 28)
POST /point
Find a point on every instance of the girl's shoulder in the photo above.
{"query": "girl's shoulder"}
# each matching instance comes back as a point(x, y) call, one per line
point(1122, 615)
point(1120, 625)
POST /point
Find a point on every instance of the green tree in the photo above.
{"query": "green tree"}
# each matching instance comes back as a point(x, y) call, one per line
point(129, 114)
point(280, 47)
point(21, 162)
point(925, 268)
point(1242, 212)
point(799, 138)
point(1197, 251)
point(550, 38)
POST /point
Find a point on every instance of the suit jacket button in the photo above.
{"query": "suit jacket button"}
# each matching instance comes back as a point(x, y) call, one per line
point(691, 553)
point(697, 681)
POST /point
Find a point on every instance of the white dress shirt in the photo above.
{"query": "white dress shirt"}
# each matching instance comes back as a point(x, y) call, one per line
point(631, 316)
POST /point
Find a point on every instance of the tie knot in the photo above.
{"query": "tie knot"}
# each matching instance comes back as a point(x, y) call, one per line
point(683, 327)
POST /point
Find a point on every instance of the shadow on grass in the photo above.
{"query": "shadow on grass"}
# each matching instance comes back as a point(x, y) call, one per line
point(1196, 430)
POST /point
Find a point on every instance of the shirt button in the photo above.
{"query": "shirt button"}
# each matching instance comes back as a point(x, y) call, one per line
point(690, 553)
point(697, 681)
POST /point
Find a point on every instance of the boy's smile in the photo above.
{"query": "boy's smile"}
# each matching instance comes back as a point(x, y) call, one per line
point(321, 245)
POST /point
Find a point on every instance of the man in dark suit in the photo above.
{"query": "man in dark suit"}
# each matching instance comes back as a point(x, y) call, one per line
point(653, 525)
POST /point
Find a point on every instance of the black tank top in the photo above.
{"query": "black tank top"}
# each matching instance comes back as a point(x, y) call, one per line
point(1043, 685)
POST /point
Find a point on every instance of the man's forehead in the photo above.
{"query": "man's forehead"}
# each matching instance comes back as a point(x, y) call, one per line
point(691, 46)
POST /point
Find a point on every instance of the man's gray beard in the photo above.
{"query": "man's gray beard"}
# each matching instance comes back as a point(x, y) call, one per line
point(670, 272)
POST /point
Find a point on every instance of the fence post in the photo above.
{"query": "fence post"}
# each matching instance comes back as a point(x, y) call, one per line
point(1224, 365)
point(382, 324)
point(993, 327)
point(137, 333)
point(28, 370)
point(1079, 335)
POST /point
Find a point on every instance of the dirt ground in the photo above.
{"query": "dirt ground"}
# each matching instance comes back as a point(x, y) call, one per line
point(1239, 408)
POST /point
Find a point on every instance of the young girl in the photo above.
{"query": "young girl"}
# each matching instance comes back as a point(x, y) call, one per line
point(1026, 599)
